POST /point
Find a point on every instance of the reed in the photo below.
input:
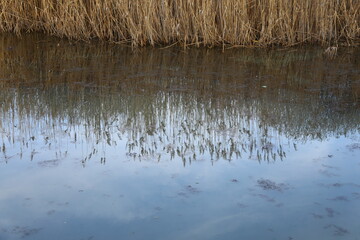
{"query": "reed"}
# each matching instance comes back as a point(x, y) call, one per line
point(188, 22)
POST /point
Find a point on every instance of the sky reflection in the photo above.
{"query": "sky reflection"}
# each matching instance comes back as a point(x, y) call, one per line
point(101, 143)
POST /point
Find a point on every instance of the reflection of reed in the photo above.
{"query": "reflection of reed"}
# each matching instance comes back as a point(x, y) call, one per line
point(176, 104)
point(169, 124)
point(47, 60)
point(175, 125)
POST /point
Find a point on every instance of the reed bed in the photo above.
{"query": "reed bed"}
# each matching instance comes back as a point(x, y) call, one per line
point(188, 22)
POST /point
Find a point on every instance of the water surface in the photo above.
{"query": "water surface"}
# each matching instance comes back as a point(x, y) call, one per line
point(107, 142)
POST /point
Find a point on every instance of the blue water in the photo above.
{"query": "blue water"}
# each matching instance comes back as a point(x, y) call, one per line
point(265, 147)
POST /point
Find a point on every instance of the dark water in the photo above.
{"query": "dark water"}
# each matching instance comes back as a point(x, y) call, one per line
point(105, 142)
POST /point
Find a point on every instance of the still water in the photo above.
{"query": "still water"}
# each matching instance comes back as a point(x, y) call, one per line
point(107, 142)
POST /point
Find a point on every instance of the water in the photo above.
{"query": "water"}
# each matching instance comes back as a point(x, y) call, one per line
point(106, 142)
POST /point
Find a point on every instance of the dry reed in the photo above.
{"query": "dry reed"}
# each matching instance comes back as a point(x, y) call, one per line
point(188, 22)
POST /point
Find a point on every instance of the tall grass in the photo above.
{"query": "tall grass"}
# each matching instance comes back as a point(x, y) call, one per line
point(189, 22)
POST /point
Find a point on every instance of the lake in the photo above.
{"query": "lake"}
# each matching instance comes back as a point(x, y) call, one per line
point(106, 142)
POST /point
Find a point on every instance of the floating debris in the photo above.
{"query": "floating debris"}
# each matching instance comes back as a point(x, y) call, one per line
point(327, 173)
point(49, 163)
point(340, 198)
point(331, 212)
point(317, 216)
point(338, 185)
point(188, 190)
point(182, 194)
point(265, 197)
point(192, 189)
point(267, 184)
point(23, 232)
point(353, 147)
point(330, 167)
point(337, 230)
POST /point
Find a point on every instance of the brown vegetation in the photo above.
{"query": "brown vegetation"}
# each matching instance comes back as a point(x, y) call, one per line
point(188, 22)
